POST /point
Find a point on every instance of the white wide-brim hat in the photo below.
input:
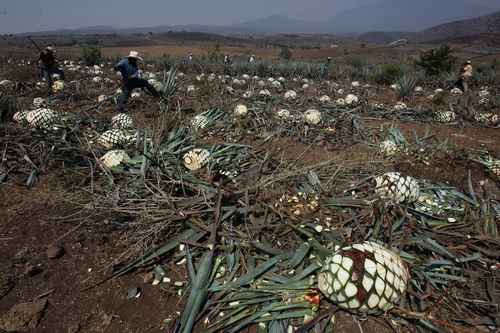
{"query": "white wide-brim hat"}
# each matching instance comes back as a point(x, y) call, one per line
point(135, 55)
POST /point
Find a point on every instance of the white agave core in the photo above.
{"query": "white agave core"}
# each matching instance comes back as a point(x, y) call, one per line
point(114, 158)
point(364, 278)
point(240, 110)
point(396, 188)
point(312, 117)
point(196, 159)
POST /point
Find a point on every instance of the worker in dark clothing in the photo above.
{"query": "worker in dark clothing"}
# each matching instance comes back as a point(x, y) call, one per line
point(325, 69)
point(48, 65)
point(128, 68)
point(227, 64)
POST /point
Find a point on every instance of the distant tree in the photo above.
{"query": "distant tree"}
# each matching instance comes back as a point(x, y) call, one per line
point(285, 53)
point(91, 55)
point(437, 61)
point(91, 41)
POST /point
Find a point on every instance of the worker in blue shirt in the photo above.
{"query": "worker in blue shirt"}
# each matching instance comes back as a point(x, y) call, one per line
point(129, 71)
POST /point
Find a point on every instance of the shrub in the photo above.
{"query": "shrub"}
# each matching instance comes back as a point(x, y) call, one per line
point(437, 61)
point(388, 73)
point(91, 55)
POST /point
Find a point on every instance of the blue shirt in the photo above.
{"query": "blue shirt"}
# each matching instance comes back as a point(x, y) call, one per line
point(127, 69)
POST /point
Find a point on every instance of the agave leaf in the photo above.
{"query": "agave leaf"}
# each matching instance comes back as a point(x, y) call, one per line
point(146, 259)
point(445, 276)
point(432, 245)
point(299, 255)
point(278, 326)
point(250, 276)
point(306, 272)
point(428, 325)
point(229, 319)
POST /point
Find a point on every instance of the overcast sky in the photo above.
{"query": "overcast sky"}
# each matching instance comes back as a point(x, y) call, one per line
point(38, 15)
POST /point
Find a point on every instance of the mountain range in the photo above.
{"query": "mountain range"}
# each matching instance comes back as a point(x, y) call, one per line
point(388, 15)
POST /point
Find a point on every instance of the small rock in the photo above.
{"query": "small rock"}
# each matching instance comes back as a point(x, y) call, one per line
point(133, 292)
point(55, 251)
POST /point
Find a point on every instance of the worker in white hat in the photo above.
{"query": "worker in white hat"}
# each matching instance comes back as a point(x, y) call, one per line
point(128, 69)
point(49, 67)
point(464, 76)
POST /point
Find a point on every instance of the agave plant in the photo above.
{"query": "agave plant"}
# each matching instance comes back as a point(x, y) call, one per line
point(405, 86)
point(171, 84)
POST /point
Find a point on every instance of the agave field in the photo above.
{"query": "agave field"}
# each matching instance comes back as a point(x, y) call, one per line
point(282, 204)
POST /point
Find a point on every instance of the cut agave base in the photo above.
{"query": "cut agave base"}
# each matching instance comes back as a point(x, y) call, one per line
point(396, 188)
point(196, 159)
point(114, 158)
point(364, 278)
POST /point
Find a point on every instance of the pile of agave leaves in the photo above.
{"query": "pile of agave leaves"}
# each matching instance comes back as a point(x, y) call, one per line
point(253, 231)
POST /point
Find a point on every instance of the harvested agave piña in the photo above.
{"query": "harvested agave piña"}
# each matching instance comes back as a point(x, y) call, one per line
point(122, 121)
point(312, 117)
point(444, 116)
point(196, 159)
point(487, 118)
point(114, 158)
point(199, 122)
point(20, 117)
point(42, 118)
point(396, 188)
point(240, 110)
point(115, 138)
point(364, 278)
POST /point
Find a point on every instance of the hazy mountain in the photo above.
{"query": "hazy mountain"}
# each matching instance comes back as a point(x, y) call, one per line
point(282, 24)
point(383, 16)
point(488, 24)
point(407, 15)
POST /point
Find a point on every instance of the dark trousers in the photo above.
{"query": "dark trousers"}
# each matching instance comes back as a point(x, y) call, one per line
point(462, 84)
point(129, 85)
point(48, 72)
